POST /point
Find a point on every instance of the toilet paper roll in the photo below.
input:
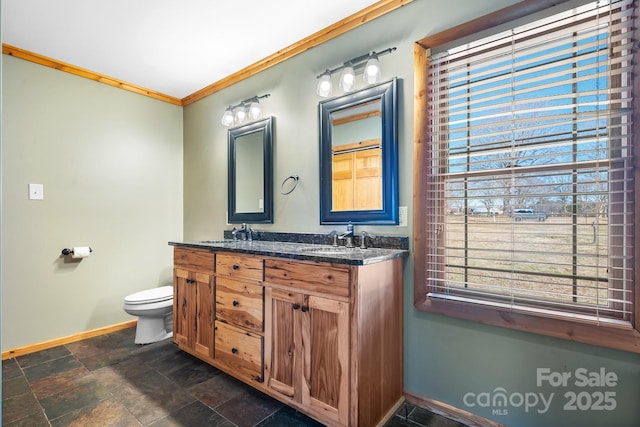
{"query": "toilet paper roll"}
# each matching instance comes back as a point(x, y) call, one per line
point(80, 252)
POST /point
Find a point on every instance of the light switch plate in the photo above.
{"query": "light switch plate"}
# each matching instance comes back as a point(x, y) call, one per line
point(36, 192)
point(403, 213)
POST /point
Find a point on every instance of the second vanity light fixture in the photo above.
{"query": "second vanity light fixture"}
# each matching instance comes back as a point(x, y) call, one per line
point(249, 109)
point(368, 62)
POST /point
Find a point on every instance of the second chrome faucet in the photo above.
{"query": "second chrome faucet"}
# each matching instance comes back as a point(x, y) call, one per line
point(245, 231)
point(349, 237)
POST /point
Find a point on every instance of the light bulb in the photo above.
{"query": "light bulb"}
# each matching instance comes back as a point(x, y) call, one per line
point(255, 111)
point(372, 71)
point(227, 117)
point(240, 114)
point(347, 79)
point(325, 86)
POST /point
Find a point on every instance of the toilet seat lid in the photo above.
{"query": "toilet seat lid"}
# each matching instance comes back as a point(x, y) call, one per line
point(162, 293)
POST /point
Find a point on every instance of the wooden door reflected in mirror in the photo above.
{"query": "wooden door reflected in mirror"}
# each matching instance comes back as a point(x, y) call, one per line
point(356, 154)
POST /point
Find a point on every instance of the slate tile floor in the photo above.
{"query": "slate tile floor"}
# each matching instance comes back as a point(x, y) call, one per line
point(110, 381)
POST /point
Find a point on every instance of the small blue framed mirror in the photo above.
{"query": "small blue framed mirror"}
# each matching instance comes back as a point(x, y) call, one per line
point(250, 179)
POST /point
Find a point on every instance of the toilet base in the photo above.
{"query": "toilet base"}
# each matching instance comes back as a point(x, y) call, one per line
point(153, 329)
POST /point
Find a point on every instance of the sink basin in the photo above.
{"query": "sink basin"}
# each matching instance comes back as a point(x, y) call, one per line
point(216, 241)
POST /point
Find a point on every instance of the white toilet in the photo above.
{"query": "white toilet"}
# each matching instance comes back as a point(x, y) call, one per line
point(154, 308)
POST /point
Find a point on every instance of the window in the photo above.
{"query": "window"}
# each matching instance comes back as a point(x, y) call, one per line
point(526, 187)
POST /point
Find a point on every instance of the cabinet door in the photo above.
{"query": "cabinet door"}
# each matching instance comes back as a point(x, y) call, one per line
point(193, 311)
point(286, 347)
point(203, 342)
point(325, 340)
point(184, 309)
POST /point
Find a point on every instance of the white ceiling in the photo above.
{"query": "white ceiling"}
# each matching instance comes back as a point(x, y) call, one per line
point(174, 47)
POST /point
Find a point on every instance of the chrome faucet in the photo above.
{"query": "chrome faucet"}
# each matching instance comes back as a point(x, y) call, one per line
point(245, 231)
point(347, 236)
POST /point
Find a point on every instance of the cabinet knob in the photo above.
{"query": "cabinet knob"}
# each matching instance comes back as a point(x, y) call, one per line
point(305, 308)
point(234, 350)
point(296, 306)
point(235, 303)
point(236, 267)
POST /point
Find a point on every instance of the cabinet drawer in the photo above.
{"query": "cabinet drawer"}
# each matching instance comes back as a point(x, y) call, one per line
point(240, 350)
point(240, 304)
point(325, 278)
point(193, 260)
point(239, 266)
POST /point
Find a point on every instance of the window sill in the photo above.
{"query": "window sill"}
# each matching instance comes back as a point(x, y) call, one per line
point(616, 336)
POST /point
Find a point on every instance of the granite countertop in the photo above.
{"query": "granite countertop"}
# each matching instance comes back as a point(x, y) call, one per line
point(300, 251)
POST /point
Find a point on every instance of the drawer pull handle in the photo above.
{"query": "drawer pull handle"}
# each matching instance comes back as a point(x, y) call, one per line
point(296, 306)
point(235, 303)
point(234, 350)
point(236, 267)
point(304, 308)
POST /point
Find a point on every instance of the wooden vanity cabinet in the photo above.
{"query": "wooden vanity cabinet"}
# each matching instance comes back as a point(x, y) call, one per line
point(323, 338)
point(193, 301)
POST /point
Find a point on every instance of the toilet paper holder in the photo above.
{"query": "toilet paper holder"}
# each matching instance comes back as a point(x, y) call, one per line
point(67, 251)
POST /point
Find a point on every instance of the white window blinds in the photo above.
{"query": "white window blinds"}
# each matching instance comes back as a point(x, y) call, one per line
point(530, 181)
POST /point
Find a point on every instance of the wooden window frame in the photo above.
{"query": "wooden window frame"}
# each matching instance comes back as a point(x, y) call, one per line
point(625, 338)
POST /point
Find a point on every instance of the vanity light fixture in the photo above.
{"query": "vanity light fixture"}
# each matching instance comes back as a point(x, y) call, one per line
point(249, 109)
point(368, 63)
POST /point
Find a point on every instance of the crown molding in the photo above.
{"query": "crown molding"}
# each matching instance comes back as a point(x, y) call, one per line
point(87, 74)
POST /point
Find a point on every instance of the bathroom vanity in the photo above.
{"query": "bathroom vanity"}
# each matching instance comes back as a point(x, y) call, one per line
point(318, 328)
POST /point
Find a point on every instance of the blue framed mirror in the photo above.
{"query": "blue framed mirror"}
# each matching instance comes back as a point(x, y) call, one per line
point(359, 157)
point(250, 179)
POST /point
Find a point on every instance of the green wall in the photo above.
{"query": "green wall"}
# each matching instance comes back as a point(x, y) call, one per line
point(445, 359)
point(111, 165)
